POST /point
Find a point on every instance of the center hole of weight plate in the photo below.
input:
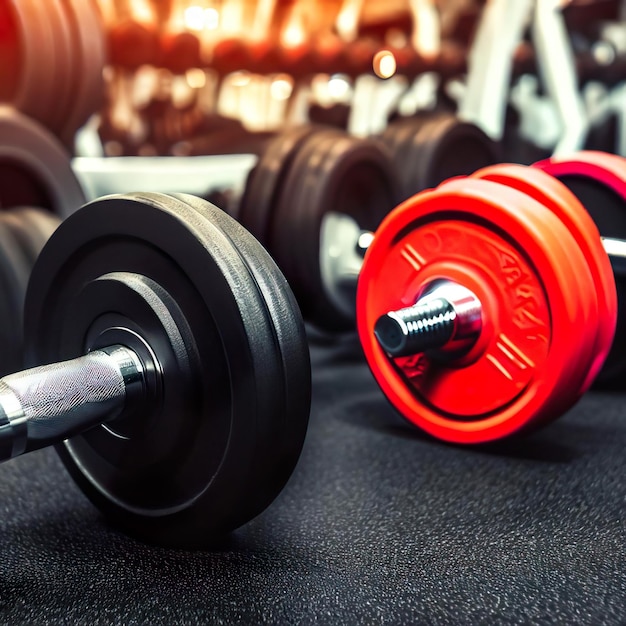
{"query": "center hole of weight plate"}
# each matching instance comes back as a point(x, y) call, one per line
point(140, 396)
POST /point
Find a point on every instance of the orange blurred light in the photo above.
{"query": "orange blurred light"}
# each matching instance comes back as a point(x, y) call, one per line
point(347, 22)
point(384, 64)
point(338, 87)
point(293, 36)
point(281, 87)
point(240, 79)
point(142, 11)
point(197, 18)
point(195, 78)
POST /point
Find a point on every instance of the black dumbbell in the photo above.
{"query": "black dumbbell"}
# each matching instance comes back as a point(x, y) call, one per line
point(35, 171)
point(315, 192)
point(432, 147)
point(170, 367)
point(310, 195)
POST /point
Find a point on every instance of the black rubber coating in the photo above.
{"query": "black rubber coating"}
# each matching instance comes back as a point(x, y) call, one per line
point(332, 171)
point(35, 169)
point(6, 436)
point(203, 457)
point(282, 362)
point(14, 273)
point(608, 210)
point(439, 147)
point(31, 228)
point(266, 180)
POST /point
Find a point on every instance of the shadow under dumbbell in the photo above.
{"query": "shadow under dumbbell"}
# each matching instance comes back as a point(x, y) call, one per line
point(375, 413)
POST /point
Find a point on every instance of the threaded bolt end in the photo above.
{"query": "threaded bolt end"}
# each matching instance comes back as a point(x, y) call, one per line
point(416, 328)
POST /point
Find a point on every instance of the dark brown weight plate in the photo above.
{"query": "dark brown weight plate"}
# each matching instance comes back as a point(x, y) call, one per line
point(63, 69)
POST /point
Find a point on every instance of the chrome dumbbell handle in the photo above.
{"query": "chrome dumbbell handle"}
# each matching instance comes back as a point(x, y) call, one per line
point(48, 404)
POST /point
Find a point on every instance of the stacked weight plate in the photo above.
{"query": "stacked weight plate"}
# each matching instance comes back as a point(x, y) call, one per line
point(37, 190)
point(53, 55)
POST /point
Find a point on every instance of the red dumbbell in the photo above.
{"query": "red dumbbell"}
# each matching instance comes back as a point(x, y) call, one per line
point(487, 306)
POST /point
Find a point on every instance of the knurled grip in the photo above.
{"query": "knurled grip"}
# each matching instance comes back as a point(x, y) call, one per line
point(50, 403)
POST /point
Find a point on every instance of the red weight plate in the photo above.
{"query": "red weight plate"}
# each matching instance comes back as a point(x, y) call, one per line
point(88, 43)
point(536, 293)
point(361, 55)
point(63, 94)
point(598, 180)
point(330, 56)
point(607, 169)
point(297, 60)
point(562, 202)
point(10, 53)
point(36, 80)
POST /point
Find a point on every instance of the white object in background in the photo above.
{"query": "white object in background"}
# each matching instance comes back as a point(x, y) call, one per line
point(491, 60)
point(490, 63)
point(539, 121)
point(426, 37)
point(87, 141)
point(557, 67)
point(421, 95)
point(197, 175)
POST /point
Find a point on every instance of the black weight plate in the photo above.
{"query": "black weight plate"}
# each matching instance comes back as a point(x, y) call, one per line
point(404, 158)
point(397, 133)
point(283, 354)
point(150, 265)
point(266, 179)
point(607, 208)
point(31, 228)
point(14, 273)
point(35, 170)
point(394, 135)
point(332, 172)
point(444, 147)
